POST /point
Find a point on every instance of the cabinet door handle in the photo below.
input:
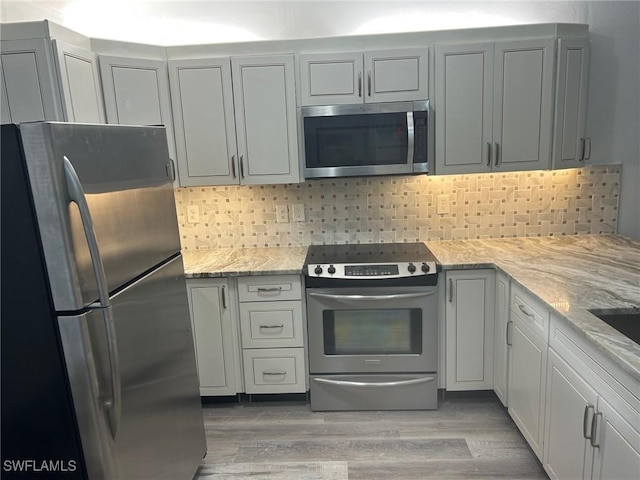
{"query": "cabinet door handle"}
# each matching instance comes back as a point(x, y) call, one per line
point(233, 166)
point(171, 169)
point(369, 82)
point(242, 166)
point(594, 430)
point(224, 298)
point(588, 412)
point(360, 84)
point(508, 332)
point(488, 154)
point(450, 290)
point(583, 149)
point(497, 154)
point(524, 310)
point(587, 154)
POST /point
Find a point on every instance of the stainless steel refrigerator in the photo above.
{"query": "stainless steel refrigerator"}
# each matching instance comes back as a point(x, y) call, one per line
point(99, 375)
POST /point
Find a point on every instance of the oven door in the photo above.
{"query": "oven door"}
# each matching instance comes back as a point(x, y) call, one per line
point(372, 330)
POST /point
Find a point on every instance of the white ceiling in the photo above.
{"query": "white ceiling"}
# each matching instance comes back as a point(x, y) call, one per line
point(173, 22)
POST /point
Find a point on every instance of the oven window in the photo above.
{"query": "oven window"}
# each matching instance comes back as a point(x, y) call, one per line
point(372, 332)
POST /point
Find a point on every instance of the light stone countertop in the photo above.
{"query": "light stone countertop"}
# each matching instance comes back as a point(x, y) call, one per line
point(230, 262)
point(570, 274)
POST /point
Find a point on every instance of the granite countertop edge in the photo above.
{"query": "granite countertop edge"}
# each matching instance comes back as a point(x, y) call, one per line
point(573, 271)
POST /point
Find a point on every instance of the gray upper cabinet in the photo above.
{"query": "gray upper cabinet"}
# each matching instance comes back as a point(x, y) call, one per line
point(523, 104)
point(570, 146)
point(44, 79)
point(235, 120)
point(202, 99)
point(463, 108)
point(79, 83)
point(494, 104)
point(136, 92)
point(357, 77)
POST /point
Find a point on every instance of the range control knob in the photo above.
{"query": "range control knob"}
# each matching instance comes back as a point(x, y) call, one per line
point(425, 267)
point(411, 268)
point(331, 269)
point(318, 270)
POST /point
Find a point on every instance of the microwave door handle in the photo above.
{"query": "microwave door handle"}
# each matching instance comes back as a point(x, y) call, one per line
point(77, 196)
point(410, 137)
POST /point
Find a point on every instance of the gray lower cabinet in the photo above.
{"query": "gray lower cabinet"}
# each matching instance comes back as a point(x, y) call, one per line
point(215, 335)
point(469, 315)
point(500, 346)
point(528, 365)
point(592, 420)
point(272, 329)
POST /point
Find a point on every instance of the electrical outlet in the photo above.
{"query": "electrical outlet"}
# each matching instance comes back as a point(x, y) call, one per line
point(442, 207)
point(193, 214)
point(298, 212)
point(282, 214)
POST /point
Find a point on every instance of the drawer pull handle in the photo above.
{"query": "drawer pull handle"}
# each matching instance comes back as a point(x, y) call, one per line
point(524, 310)
point(274, 372)
point(588, 412)
point(269, 289)
point(280, 325)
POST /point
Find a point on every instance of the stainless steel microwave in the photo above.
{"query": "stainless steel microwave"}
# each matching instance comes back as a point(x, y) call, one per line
point(365, 139)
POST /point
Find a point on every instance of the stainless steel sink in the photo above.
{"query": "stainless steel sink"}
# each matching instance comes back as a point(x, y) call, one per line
point(624, 320)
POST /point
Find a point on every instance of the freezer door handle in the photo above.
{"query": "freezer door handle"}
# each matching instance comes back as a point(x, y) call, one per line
point(77, 196)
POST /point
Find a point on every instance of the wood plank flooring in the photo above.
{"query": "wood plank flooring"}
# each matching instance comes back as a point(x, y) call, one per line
point(467, 437)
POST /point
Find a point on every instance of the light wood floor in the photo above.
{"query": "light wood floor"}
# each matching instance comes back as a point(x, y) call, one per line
point(467, 437)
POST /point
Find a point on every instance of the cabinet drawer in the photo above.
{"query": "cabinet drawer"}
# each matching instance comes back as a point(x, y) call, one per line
point(531, 311)
point(269, 287)
point(271, 324)
point(275, 370)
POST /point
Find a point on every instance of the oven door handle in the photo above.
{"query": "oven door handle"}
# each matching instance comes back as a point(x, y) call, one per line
point(399, 383)
point(394, 296)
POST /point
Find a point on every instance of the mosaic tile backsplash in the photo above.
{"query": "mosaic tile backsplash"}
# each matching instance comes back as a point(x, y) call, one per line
point(404, 209)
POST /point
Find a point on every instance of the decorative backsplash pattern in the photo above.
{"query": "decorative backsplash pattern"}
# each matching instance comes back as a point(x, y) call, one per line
point(404, 209)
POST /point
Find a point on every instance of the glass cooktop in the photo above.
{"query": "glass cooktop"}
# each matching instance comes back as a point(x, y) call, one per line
point(369, 253)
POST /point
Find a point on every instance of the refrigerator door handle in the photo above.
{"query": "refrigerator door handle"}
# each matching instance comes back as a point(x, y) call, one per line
point(114, 403)
point(76, 195)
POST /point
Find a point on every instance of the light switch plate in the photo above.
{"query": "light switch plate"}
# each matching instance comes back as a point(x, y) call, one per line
point(442, 206)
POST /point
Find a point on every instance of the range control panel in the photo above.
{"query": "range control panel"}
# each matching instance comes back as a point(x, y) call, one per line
point(372, 271)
